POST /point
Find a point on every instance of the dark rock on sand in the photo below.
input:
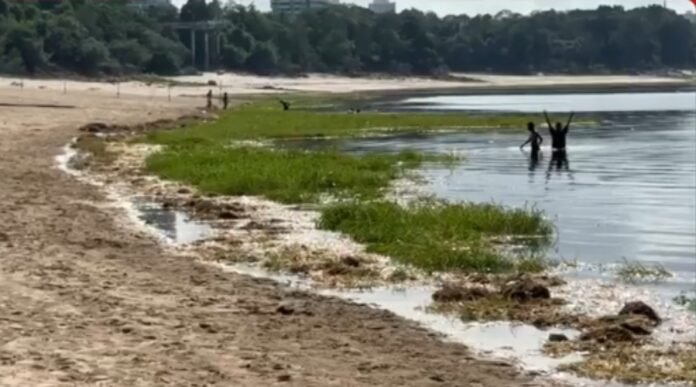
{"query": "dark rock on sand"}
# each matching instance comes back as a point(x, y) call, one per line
point(526, 289)
point(455, 293)
point(642, 309)
point(228, 215)
point(94, 127)
point(294, 308)
point(557, 338)
point(623, 328)
point(285, 309)
point(350, 261)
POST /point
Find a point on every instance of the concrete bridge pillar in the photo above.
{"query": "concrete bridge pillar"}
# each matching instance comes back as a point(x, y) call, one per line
point(206, 50)
point(193, 47)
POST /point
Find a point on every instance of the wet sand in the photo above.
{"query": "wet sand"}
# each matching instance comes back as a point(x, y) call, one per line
point(88, 300)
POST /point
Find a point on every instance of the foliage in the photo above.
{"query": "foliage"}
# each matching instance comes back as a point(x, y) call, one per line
point(99, 36)
point(266, 119)
point(684, 300)
point(87, 37)
point(288, 176)
point(437, 235)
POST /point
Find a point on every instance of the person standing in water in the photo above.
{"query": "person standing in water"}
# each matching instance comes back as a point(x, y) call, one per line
point(535, 140)
point(559, 134)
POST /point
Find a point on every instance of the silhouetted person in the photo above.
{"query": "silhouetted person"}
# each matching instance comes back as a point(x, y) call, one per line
point(209, 96)
point(225, 100)
point(535, 140)
point(286, 104)
point(558, 133)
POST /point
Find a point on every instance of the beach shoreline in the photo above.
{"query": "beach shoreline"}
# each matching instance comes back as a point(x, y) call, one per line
point(90, 299)
point(247, 85)
point(402, 353)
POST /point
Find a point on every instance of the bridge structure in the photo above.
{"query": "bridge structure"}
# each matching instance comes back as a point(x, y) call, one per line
point(208, 28)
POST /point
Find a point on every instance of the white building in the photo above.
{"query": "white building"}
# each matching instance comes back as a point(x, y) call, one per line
point(299, 5)
point(382, 6)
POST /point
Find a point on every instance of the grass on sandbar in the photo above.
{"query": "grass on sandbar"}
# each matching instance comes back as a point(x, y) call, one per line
point(438, 236)
point(434, 236)
point(288, 176)
point(265, 119)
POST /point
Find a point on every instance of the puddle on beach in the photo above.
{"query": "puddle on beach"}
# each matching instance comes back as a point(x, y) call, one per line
point(175, 226)
point(519, 342)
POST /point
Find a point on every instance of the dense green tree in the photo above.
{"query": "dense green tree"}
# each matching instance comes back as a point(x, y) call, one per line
point(24, 41)
point(263, 58)
point(234, 57)
point(93, 37)
point(194, 10)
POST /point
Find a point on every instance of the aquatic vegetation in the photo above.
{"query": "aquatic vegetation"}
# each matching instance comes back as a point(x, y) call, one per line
point(636, 272)
point(93, 149)
point(437, 235)
point(632, 362)
point(288, 176)
point(265, 119)
point(525, 298)
point(429, 234)
point(686, 301)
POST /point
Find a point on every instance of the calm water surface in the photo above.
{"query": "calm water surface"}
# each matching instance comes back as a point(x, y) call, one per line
point(629, 192)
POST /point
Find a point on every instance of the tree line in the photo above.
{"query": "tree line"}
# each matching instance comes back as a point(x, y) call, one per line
point(98, 37)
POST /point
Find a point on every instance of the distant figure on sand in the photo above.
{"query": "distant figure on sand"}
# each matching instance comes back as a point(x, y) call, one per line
point(535, 140)
point(225, 100)
point(286, 104)
point(209, 96)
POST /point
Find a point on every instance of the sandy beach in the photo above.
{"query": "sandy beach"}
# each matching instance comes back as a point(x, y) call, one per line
point(242, 84)
point(88, 299)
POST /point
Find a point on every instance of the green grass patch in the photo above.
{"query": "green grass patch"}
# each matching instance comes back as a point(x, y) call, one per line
point(266, 119)
point(432, 235)
point(439, 236)
point(288, 176)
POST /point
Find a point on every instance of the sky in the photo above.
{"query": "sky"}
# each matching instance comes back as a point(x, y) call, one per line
point(443, 7)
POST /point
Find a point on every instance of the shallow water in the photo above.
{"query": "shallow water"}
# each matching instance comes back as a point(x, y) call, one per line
point(629, 192)
point(177, 227)
point(532, 103)
point(520, 342)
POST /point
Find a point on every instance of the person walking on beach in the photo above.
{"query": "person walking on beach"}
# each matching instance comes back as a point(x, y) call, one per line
point(209, 96)
point(225, 100)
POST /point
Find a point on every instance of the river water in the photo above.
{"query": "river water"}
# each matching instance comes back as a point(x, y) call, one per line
point(629, 192)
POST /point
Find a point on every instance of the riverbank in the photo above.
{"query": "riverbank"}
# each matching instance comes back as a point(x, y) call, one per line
point(90, 298)
point(462, 84)
point(252, 222)
point(261, 233)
